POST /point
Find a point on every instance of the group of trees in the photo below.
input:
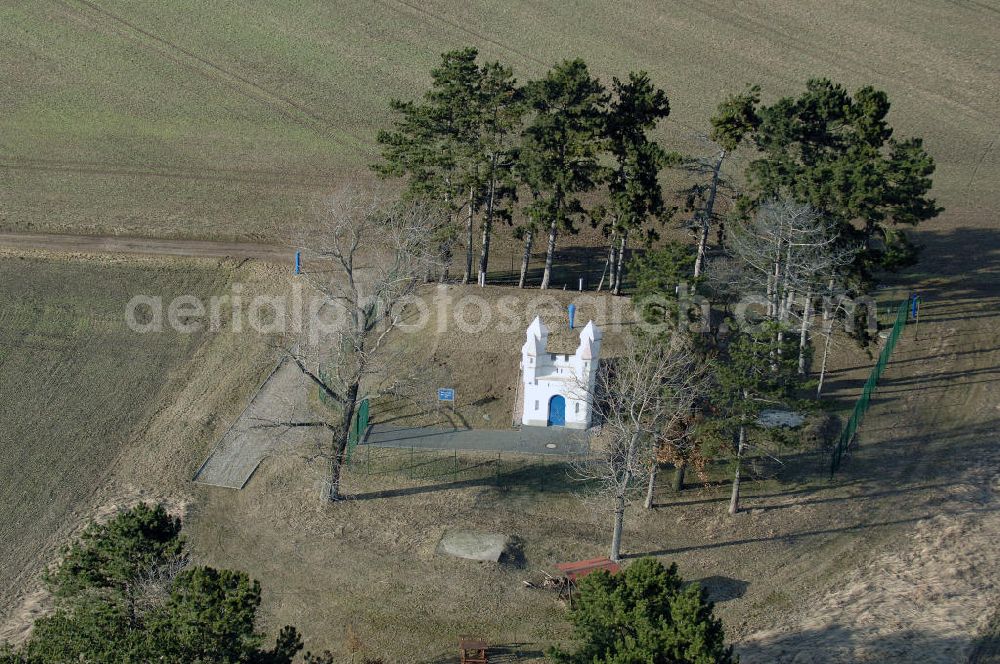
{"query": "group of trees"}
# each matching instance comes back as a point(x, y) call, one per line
point(691, 393)
point(126, 591)
point(564, 149)
point(826, 194)
point(480, 143)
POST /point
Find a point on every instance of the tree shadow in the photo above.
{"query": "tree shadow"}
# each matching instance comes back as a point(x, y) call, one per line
point(722, 588)
point(794, 537)
point(835, 643)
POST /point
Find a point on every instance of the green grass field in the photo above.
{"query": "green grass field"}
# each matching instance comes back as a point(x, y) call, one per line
point(216, 119)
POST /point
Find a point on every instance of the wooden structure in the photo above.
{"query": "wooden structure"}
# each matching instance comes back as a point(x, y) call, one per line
point(577, 570)
point(472, 651)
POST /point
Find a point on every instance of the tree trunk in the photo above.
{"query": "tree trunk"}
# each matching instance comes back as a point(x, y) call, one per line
point(445, 247)
point(699, 261)
point(734, 500)
point(679, 472)
point(771, 281)
point(651, 485)
point(443, 274)
point(804, 332)
point(609, 268)
point(616, 537)
point(828, 333)
point(828, 314)
point(706, 220)
point(467, 275)
point(484, 254)
point(619, 269)
point(529, 238)
point(550, 252)
point(340, 442)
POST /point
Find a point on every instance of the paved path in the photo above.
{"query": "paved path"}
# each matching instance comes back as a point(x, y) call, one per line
point(253, 436)
point(115, 244)
point(527, 440)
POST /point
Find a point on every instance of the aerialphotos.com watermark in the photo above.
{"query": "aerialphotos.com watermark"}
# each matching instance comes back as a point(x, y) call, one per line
point(318, 317)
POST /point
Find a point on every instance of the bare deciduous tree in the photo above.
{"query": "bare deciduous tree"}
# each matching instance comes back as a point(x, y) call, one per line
point(637, 398)
point(792, 252)
point(366, 257)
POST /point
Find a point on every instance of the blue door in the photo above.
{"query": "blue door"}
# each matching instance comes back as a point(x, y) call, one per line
point(557, 411)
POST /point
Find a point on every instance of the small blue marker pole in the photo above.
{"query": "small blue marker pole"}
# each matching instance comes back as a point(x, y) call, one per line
point(572, 312)
point(916, 317)
point(298, 262)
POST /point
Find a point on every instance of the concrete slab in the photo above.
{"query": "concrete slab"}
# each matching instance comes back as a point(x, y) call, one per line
point(487, 547)
point(282, 397)
point(773, 419)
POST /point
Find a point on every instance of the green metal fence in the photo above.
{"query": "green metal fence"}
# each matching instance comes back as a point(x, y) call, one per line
point(871, 385)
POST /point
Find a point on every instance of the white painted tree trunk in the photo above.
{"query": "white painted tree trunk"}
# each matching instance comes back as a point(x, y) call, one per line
point(651, 485)
point(620, 268)
point(467, 274)
point(804, 332)
point(550, 252)
point(484, 254)
point(616, 536)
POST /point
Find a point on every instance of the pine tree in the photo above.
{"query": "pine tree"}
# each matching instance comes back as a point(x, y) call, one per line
point(633, 184)
point(435, 146)
point(837, 153)
point(500, 108)
point(659, 274)
point(125, 593)
point(561, 147)
point(759, 366)
point(644, 615)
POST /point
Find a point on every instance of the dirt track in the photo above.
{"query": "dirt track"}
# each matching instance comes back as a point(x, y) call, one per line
point(108, 244)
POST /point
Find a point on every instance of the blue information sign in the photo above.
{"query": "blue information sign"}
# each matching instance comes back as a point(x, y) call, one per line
point(446, 394)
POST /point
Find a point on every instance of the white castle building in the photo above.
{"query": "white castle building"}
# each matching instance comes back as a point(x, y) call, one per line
point(557, 388)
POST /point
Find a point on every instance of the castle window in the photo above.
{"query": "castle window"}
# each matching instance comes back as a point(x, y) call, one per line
point(577, 407)
point(536, 401)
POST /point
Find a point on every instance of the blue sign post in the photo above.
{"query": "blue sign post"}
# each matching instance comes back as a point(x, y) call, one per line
point(572, 313)
point(298, 262)
point(446, 394)
point(915, 303)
